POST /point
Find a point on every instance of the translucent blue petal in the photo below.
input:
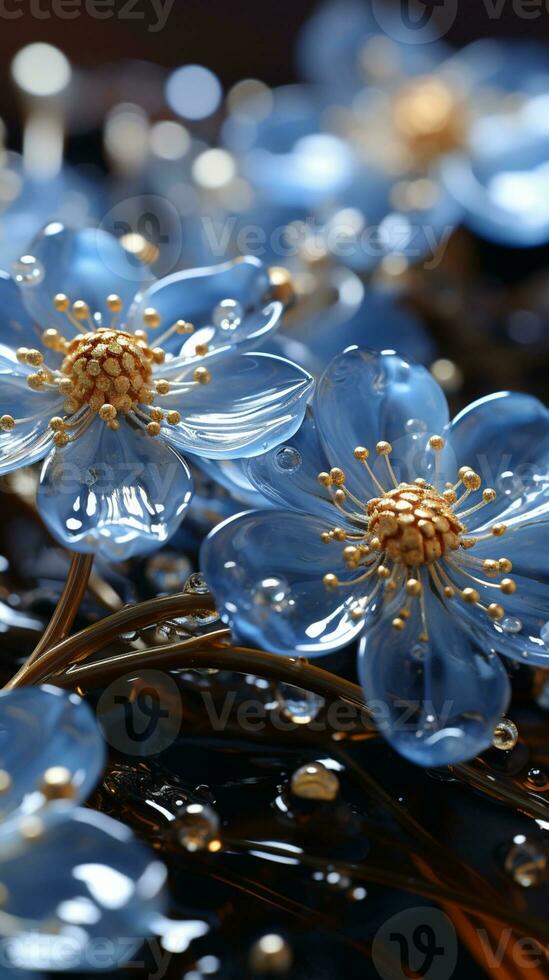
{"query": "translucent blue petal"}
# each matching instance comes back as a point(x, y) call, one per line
point(253, 402)
point(523, 633)
point(288, 474)
point(31, 439)
point(378, 320)
point(265, 570)
point(17, 329)
point(193, 296)
point(364, 397)
point(436, 702)
point(90, 265)
point(231, 474)
point(90, 875)
point(505, 439)
point(41, 727)
point(117, 493)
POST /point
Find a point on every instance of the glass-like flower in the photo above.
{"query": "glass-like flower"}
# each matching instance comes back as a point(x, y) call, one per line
point(117, 381)
point(430, 538)
point(78, 891)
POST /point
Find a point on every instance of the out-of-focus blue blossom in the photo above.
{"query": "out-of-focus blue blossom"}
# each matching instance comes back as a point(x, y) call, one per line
point(125, 378)
point(407, 550)
point(79, 892)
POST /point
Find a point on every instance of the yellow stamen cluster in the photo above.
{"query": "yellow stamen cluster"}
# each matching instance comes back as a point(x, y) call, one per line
point(108, 368)
point(414, 525)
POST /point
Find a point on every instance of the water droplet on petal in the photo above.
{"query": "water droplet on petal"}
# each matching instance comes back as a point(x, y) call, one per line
point(28, 271)
point(511, 624)
point(288, 459)
point(526, 862)
point(227, 315)
point(301, 706)
point(537, 778)
point(415, 427)
point(273, 593)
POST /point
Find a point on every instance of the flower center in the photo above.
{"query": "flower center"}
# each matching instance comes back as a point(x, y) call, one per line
point(108, 367)
point(414, 524)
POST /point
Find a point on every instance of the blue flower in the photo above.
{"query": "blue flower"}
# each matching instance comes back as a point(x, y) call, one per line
point(69, 876)
point(113, 364)
point(413, 548)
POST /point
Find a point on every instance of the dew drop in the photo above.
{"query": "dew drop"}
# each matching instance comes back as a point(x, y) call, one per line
point(196, 825)
point(511, 624)
point(288, 459)
point(315, 782)
point(28, 271)
point(526, 862)
point(273, 593)
point(537, 778)
point(415, 427)
point(505, 735)
point(227, 315)
point(301, 706)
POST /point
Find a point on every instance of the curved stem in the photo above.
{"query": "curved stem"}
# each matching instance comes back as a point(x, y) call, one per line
point(67, 606)
point(79, 646)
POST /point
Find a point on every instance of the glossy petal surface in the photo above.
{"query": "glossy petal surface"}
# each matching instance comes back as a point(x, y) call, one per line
point(30, 439)
point(16, 326)
point(90, 874)
point(117, 493)
point(265, 570)
point(252, 403)
point(90, 265)
point(193, 296)
point(42, 728)
point(437, 702)
point(364, 397)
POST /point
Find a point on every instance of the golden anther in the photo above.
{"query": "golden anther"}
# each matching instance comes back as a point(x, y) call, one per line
point(414, 587)
point(114, 303)
point(65, 386)
point(330, 581)
point(498, 530)
point(80, 310)
point(357, 614)
point(182, 326)
point(471, 480)
point(156, 414)
point(351, 553)
point(202, 375)
point(375, 544)
point(495, 611)
point(35, 381)
point(113, 424)
point(449, 592)
point(383, 572)
point(57, 784)
point(489, 495)
point(162, 386)
point(450, 496)
point(61, 302)
point(159, 355)
point(173, 418)
point(153, 428)
point(423, 637)
point(7, 423)
point(463, 470)
point(470, 595)
point(339, 496)
point(505, 565)
point(361, 452)
point(339, 534)
point(21, 354)
point(140, 335)
point(60, 439)
point(52, 339)
point(107, 412)
point(325, 479)
point(490, 567)
point(437, 443)
point(398, 623)
point(420, 482)
point(201, 350)
point(151, 317)
point(326, 537)
point(35, 358)
point(57, 424)
point(384, 448)
point(508, 586)
point(337, 476)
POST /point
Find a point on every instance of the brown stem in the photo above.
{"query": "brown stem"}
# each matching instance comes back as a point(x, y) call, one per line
point(67, 606)
point(81, 645)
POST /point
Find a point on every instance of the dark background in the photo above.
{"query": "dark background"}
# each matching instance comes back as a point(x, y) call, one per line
point(236, 40)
